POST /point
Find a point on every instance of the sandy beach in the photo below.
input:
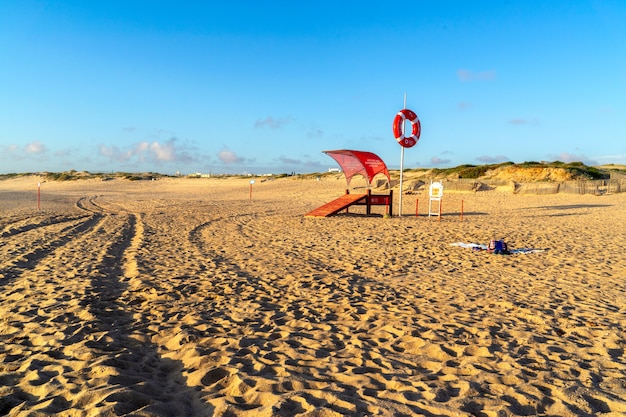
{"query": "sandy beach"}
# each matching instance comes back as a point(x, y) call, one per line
point(206, 297)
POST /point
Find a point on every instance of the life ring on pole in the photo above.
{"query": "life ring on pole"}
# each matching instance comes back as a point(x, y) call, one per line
point(398, 128)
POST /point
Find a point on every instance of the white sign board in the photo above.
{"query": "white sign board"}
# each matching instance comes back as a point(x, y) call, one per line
point(436, 190)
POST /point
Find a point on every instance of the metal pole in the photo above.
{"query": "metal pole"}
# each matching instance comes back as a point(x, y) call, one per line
point(461, 210)
point(401, 169)
point(401, 165)
point(440, 201)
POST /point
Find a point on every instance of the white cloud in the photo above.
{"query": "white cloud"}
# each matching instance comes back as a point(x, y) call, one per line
point(145, 151)
point(114, 153)
point(36, 148)
point(163, 152)
point(229, 157)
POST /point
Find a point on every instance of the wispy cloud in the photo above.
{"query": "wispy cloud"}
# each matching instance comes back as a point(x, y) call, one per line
point(289, 161)
point(273, 123)
point(314, 132)
point(568, 157)
point(492, 159)
point(613, 159)
point(9, 150)
point(518, 121)
point(114, 153)
point(306, 164)
point(439, 161)
point(33, 150)
point(467, 75)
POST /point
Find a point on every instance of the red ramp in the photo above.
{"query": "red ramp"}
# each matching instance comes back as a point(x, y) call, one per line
point(336, 205)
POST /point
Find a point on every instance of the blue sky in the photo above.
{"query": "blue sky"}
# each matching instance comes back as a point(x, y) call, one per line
point(265, 87)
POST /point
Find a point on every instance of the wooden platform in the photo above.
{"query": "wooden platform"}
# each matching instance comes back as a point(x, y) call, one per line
point(336, 205)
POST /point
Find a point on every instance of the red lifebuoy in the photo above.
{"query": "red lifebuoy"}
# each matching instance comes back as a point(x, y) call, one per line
point(398, 128)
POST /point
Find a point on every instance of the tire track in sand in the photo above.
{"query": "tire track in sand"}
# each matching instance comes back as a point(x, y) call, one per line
point(43, 239)
point(77, 343)
point(299, 325)
point(312, 329)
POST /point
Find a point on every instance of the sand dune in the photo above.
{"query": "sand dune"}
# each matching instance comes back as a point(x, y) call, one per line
point(195, 297)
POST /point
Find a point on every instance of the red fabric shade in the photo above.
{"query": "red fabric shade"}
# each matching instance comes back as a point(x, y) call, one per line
point(359, 163)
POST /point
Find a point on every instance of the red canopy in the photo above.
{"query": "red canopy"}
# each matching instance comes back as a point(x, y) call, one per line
point(359, 162)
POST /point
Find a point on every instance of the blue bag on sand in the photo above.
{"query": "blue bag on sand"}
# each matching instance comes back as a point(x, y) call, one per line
point(500, 247)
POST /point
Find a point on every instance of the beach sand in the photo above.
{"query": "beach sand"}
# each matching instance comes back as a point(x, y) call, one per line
point(202, 297)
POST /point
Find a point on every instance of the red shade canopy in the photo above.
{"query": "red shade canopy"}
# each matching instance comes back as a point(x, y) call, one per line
point(359, 162)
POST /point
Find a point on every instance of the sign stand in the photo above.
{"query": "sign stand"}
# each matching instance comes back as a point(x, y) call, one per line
point(251, 182)
point(436, 195)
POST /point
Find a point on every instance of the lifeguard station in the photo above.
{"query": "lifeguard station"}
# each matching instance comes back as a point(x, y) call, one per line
point(367, 164)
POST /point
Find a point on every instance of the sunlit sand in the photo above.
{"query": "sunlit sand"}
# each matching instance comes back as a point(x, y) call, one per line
point(200, 297)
